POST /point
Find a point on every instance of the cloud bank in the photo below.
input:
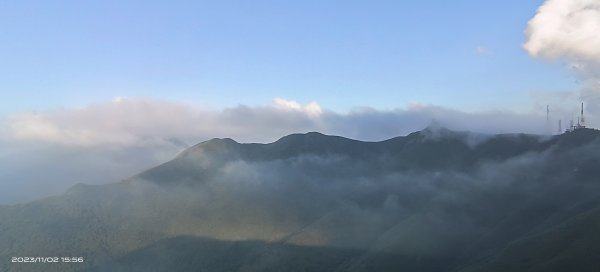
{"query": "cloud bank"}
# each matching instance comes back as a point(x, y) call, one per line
point(138, 122)
point(44, 153)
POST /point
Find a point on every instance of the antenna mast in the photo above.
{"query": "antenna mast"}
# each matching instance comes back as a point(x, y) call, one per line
point(571, 126)
point(559, 126)
point(582, 118)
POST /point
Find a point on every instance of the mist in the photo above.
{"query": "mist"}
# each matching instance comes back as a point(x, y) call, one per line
point(432, 199)
point(109, 142)
point(339, 200)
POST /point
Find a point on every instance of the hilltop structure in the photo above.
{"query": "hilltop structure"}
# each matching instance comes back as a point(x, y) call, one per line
point(580, 122)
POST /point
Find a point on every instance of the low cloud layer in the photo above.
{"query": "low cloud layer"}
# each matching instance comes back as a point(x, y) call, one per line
point(46, 152)
point(137, 122)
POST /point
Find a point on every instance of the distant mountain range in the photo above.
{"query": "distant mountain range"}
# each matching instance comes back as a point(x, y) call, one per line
point(434, 200)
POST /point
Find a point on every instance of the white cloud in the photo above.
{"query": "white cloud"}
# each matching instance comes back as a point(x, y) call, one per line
point(137, 122)
point(311, 109)
point(284, 104)
point(37, 127)
point(569, 30)
point(482, 51)
point(119, 122)
point(565, 28)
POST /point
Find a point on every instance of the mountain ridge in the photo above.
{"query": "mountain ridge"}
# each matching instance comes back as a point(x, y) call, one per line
point(411, 151)
point(428, 201)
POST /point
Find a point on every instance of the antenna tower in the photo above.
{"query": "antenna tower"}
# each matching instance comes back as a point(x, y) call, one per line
point(559, 126)
point(582, 125)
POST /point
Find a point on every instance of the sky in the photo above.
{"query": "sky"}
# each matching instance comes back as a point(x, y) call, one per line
point(463, 55)
point(97, 91)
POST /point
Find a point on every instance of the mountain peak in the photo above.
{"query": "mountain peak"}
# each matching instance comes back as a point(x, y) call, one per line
point(309, 136)
point(215, 146)
point(436, 130)
point(217, 142)
point(434, 124)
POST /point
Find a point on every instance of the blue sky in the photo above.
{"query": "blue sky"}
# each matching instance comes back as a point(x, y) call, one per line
point(342, 54)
